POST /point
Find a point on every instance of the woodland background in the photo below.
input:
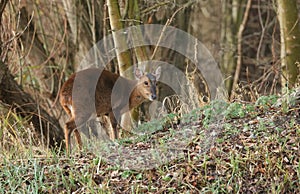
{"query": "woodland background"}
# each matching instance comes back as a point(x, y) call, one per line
point(253, 149)
point(256, 43)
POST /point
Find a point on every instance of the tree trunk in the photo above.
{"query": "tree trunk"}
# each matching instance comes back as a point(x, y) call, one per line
point(290, 42)
point(46, 127)
point(121, 49)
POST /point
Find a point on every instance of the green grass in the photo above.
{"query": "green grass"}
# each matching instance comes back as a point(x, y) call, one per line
point(255, 149)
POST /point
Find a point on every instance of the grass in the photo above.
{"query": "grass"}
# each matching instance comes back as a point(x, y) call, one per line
point(253, 148)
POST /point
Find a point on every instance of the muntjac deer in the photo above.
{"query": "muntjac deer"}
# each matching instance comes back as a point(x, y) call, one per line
point(94, 92)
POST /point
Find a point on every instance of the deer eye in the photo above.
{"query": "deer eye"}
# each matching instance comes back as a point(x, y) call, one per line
point(146, 83)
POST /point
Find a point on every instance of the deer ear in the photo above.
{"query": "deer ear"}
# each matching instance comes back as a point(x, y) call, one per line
point(138, 73)
point(157, 72)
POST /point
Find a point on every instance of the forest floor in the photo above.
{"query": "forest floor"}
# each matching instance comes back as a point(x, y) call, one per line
point(219, 148)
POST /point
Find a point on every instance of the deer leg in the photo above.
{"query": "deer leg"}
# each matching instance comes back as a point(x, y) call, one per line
point(74, 125)
point(93, 128)
point(105, 124)
point(78, 138)
point(69, 128)
point(114, 124)
point(81, 124)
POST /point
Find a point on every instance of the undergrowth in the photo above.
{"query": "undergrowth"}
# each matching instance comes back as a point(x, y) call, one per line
point(225, 148)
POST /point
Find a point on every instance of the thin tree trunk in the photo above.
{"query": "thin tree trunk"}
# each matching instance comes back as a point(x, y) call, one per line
point(138, 39)
point(232, 17)
point(124, 58)
point(240, 49)
point(121, 49)
point(290, 42)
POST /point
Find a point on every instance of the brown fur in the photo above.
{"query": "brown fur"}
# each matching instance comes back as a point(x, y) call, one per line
point(107, 99)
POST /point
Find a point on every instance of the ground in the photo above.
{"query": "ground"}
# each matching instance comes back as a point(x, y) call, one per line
point(219, 148)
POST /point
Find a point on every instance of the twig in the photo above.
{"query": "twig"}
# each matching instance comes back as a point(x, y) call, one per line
point(163, 31)
point(150, 9)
